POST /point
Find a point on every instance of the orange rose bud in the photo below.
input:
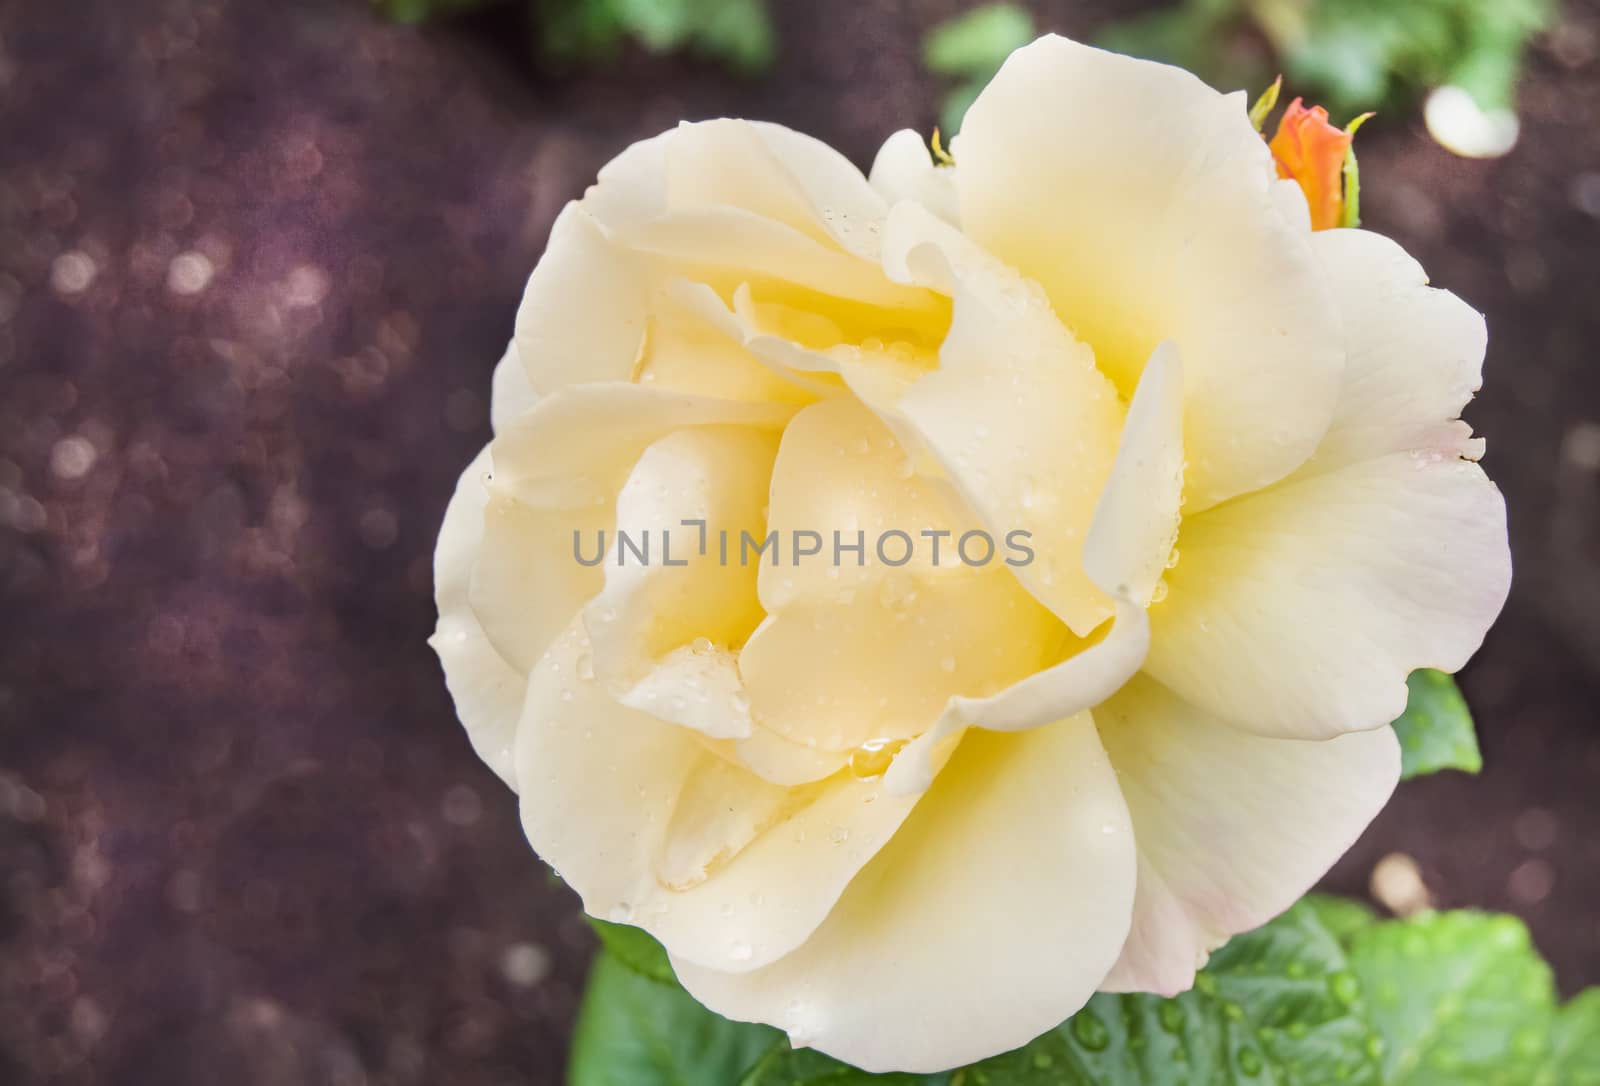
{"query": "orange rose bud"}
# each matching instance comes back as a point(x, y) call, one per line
point(1310, 151)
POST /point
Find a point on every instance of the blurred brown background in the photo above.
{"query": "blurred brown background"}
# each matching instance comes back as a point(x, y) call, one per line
point(256, 263)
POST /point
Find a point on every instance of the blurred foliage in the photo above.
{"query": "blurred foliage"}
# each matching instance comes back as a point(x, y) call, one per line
point(1354, 54)
point(737, 32)
point(970, 49)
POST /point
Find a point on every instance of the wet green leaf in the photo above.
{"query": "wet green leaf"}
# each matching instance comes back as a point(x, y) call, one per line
point(636, 1031)
point(635, 948)
point(1460, 998)
point(1436, 729)
point(1574, 1054)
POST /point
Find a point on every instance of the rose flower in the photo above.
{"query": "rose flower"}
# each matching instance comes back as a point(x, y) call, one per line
point(914, 809)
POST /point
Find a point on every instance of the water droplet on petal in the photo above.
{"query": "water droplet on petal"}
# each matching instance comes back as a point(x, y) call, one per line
point(871, 759)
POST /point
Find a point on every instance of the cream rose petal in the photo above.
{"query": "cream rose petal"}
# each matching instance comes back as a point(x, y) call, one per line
point(840, 470)
point(778, 760)
point(1146, 206)
point(1299, 611)
point(512, 393)
point(634, 814)
point(1415, 354)
point(731, 196)
point(1231, 828)
point(884, 663)
point(556, 473)
point(583, 314)
point(646, 623)
point(1135, 521)
point(487, 691)
point(986, 879)
point(1016, 414)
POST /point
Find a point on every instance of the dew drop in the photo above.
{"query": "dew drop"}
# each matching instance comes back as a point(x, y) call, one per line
point(621, 913)
point(1345, 988)
point(741, 951)
point(1249, 1061)
point(839, 835)
point(586, 667)
point(702, 646)
point(1158, 593)
point(1090, 1032)
point(871, 759)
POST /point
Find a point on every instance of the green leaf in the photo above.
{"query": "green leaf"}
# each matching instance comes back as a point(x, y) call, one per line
point(957, 102)
point(1574, 1057)
point(635, 948)
point(635, 1031)
point(576, 30)
point(978, 42)
point(1461, 998)
point(415, 11)
point(785, 1066)
point(1342, 916)
point(737, 31)
point(1436, 729)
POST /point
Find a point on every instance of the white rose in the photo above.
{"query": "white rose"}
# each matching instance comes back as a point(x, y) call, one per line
point(916, 815)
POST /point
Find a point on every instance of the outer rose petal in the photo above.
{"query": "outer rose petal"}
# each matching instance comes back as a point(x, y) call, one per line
point(1145, 204)
point(735, 199)
point(1231, 828)
point(650, 824)
point(766, 170)
point(584, 310)
point(488, 691)
point(1414, 354)
point(513, 394)
point(1018, 865)
point(1299, 611)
